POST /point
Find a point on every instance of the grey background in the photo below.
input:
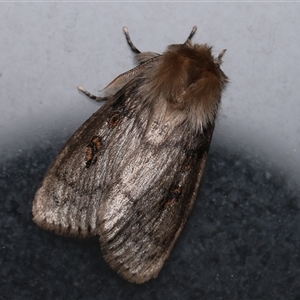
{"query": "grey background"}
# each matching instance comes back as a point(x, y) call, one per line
point(47, 49)
point(242, 241)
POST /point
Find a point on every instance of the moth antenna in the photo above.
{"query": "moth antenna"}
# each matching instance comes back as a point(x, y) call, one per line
point(133, 48)
point(96, 98)
point(191, 35)
point(218, 60)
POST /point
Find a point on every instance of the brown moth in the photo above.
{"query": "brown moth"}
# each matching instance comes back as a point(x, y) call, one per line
point(131, 173)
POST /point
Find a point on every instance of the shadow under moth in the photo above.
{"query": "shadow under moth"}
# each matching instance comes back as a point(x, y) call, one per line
point(131, 173)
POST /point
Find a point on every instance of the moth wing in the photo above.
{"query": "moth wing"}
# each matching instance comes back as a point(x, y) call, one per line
point(129, 178)
point(143, 213)
point(68, 200)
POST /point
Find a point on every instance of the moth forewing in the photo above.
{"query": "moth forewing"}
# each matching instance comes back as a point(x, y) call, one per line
point(132, 171)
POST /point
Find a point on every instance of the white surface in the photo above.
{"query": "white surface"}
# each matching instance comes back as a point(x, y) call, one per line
point(47, 49)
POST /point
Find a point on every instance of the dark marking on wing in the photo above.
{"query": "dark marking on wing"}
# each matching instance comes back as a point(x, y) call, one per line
point(172, 197)
point(114, 120)
point(94, 146)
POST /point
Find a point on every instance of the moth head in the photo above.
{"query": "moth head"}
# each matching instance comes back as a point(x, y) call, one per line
point(190, 79)
point(191, 70)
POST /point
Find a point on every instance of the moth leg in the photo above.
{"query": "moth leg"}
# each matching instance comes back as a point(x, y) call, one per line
point(96, 98)
point(133, 48)
point(194, 29)
point(218, 60)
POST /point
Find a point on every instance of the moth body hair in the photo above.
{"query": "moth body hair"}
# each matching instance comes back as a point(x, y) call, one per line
point(187, 78)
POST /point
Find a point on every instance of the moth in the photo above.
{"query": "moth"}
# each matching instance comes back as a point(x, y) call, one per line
point(131, 173)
